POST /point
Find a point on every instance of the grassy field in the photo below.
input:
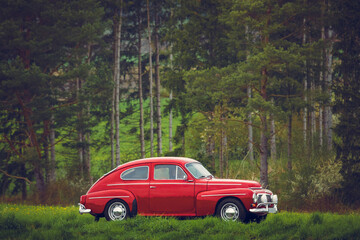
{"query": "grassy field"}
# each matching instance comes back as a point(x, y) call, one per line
point(49, 222)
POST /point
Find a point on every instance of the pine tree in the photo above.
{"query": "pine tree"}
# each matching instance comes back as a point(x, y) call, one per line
point(46, 38)
point(346, 88)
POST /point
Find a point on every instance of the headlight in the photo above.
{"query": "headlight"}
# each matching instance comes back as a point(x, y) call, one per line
point(254, 197)
point(274, 198)
point(263, 198)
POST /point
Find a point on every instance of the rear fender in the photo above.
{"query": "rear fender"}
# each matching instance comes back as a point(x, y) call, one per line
point(206, 202)
point(97, 201)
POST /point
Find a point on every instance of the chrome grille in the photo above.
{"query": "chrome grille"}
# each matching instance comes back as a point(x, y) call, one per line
point(268, 198)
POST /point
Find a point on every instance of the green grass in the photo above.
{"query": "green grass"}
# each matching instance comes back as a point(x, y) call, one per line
point(41, 222)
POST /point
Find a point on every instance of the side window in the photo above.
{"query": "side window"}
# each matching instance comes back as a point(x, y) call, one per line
point(169, 172)
point(136, 173)
point(180, 174)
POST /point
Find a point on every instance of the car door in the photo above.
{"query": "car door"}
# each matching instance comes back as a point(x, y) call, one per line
point(135, 179)
point(171, 190)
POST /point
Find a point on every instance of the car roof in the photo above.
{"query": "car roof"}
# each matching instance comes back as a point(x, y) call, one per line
point(181, 160)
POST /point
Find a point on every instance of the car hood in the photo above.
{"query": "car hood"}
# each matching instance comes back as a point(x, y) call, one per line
point(214, 184)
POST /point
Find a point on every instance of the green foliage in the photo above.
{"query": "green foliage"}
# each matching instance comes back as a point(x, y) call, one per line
point(346, 88)
point(40, 222)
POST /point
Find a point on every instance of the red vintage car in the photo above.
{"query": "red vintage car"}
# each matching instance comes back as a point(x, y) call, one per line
point(174, 186)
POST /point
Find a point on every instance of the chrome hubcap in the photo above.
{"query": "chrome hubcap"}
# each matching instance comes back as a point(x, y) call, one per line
point(117, 211)
point(229, 212)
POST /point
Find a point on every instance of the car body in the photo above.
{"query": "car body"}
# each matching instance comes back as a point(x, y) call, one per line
point(174, 186)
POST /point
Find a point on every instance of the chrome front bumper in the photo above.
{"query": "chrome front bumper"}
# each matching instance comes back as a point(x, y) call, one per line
point(261, 209)
point(82, 209)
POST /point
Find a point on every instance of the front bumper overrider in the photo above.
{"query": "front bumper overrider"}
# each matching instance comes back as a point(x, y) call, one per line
point(83, 209)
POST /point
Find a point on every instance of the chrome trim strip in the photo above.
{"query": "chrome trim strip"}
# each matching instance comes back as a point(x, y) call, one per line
point(120, 184)
point(225, 184)
point(224, 194)
point(170, 183)
point(109, 197)
point(160, 183)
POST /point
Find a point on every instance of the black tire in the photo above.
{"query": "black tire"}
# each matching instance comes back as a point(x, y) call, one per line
point(231, 209)
point(116, 210)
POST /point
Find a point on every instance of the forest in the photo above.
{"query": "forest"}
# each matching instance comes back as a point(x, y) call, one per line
point(265, 90)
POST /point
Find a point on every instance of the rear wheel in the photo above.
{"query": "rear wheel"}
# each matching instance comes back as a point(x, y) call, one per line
point(116, 210)
point(231, 209)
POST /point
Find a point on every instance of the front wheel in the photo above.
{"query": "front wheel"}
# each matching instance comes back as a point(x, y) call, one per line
point(231, 210)
point(116, 210)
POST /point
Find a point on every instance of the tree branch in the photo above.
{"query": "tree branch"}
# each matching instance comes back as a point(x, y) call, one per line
point(17, 177)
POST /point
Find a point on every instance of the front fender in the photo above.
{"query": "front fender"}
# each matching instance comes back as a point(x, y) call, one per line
point(97, 201)
point(206, 201)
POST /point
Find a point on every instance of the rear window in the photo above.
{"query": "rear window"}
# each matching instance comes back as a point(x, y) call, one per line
point(136, 173)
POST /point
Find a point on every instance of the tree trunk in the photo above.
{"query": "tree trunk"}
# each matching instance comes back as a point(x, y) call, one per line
point(322, 114)
point(210, 150)
point(88, 135)
point(327, 38)
point(221, 157)
point(264, 181)
point(141, 123)
point(150, 83)
point(157, 75)
point(118, 25)
point(171, 113)
point(170, 123)
point(250, 127)
point(264, 139)
point(80, 131)
point(46, 140)
point(23, 183)
point(46, 158)
point(321, 123)
point(183, 144)
point(312, 114)
point(328, 82)
point(272, 136)
point(52, 151)
point(225, 156)
point(289, 163)
point(250, 130)
point(305, 90)
point(112, 128)
point(263, 152)
point(87, 150)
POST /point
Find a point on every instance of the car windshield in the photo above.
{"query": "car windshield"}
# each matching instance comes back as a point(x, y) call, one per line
point(198, 170)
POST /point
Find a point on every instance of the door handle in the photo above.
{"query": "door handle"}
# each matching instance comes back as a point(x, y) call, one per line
point(152, 187)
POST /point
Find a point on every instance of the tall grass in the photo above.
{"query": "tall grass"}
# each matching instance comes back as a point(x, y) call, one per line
point(40, 222)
